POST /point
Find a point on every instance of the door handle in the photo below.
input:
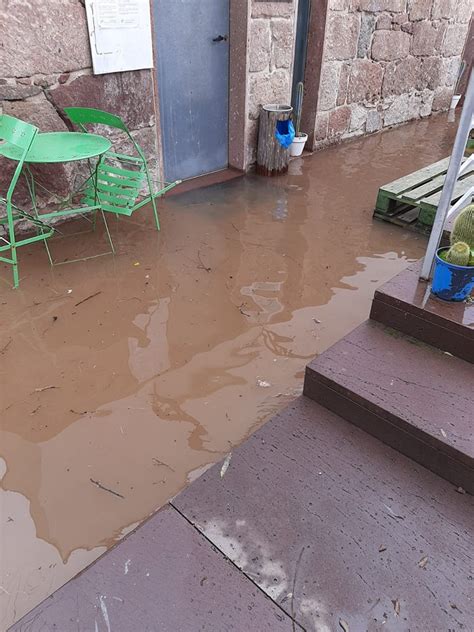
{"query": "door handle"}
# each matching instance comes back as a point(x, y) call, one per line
point(220, 38)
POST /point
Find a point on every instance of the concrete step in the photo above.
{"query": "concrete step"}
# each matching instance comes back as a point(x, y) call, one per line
point(406, 304)
point(337, 527)
point(409, 395)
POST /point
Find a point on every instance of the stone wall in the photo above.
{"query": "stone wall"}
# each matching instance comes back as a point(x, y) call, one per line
point(45, 65)
point(384, 62)
point(387, 62)
point(270, 60)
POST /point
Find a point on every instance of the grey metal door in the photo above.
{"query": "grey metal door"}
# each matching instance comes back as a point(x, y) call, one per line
point(192, 59)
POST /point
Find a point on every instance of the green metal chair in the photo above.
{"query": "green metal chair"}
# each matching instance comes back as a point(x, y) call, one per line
point(120, 177)
point(21, 135)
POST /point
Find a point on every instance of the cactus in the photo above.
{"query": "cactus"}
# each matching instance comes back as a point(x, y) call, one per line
point(471, 259)
point(463, 229)
point(459, 254)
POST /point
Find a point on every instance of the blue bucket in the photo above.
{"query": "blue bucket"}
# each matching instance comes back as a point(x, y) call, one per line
point(451, 282)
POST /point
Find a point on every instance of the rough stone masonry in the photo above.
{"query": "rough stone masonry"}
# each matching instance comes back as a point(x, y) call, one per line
point(387, 62)
point(45, 65)
point(384, 62)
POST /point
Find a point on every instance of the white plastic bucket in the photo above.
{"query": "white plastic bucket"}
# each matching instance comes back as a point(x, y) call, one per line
point(297, 146)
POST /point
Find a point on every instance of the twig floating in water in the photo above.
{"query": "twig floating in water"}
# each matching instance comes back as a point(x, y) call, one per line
point(87, 298)
point(201, 264)
point(106, 489)
point(5, 347)
point(242, 311)
point(45, 388)
point(55, 318)
point(158, 463)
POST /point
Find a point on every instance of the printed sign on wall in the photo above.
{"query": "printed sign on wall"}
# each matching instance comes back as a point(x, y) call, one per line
point(120, 35)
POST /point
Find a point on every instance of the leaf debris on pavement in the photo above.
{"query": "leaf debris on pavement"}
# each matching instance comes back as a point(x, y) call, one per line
point(396, 606)
point(293, 614)
point(344, 625)
point(424, 560)
point(392, 514)
point(226, 463)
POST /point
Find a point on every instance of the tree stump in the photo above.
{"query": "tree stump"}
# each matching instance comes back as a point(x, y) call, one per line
point(272, 158)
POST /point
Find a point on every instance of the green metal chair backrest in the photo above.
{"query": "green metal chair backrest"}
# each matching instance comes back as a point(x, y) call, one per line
point(119, 176)
point(90, 116)
point(20, 134)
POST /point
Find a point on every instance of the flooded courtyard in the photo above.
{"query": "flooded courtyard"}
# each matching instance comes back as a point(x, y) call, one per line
point(123, 378)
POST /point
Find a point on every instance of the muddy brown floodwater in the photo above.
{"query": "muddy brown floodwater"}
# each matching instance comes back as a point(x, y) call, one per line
point(187, 341)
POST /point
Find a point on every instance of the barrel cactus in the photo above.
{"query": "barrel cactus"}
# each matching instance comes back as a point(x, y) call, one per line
point(463, 229)
point(459, 254)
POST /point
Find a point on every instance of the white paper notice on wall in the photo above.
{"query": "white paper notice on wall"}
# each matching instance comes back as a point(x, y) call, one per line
point(120, 35)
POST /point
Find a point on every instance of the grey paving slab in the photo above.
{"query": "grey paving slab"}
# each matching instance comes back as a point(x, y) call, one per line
point(338, 527)
point(165, 577)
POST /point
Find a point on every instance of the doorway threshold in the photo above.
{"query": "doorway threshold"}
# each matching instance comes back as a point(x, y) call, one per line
point(206, 180)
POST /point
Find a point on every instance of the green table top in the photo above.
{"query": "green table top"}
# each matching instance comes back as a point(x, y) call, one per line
point(59, 147)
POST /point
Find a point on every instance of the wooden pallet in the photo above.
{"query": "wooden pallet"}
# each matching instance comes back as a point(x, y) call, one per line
point(412, 201)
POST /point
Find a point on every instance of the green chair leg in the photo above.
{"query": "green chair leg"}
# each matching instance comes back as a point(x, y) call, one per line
point(30, 181)
point(108, 233)
point(21, 135)
point(16, 277)
point(153, 202)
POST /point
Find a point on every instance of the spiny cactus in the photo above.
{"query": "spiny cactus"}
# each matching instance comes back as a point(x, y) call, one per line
point(471, 259)
point(463, 229)
point(459, 254)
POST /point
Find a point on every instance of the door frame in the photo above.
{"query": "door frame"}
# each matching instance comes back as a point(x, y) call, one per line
point(238, 27)
point(314, 62)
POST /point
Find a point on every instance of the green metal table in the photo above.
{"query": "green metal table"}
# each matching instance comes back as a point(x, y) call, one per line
point(51, 147)
point(55, 147)
point(58, 147)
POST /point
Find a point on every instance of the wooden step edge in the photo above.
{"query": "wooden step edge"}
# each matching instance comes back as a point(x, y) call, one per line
point(428, 327)
point(427, 314)
point(423, 448)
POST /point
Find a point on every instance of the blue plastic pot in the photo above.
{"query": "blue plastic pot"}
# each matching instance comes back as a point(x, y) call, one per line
point(451, 282)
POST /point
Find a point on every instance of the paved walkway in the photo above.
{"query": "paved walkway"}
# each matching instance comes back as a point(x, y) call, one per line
point(313, 520)
point(164, 577)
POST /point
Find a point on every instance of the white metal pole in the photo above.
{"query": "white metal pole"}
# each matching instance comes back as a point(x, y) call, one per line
point(451, 176)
